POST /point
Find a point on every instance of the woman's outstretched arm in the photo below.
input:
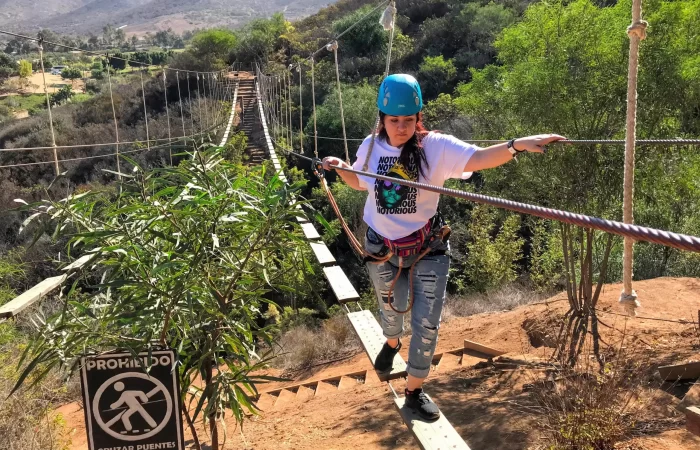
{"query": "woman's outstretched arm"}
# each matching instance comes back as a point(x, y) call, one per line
point(498, 154)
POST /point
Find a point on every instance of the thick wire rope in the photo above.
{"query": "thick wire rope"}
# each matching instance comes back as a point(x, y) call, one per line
point(145, 113)
point(392, 10)
point(667, 238)
point(167, 111)
point(334, 47)
point(638, 142)
point(636, 32)
point(48, 105)
point(114, 115)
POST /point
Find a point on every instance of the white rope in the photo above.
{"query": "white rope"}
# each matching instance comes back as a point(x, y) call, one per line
point(391, 9)
point(189, 96)
point(145, 113)
point(48, 105)
point(301, 112)
point(636, 32)
point(288, 78)
point(199, 107)
point(167, 112)
point(179, 98)
point(114, 114)
point(334, 48)
point(313, 100)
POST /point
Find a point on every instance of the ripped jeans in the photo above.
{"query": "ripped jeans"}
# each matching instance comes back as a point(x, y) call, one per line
point(429, 285)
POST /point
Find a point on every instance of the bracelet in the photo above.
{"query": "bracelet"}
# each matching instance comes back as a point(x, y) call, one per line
point(511, 147)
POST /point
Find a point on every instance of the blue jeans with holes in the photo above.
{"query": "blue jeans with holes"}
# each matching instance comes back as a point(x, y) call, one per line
point(429, 285)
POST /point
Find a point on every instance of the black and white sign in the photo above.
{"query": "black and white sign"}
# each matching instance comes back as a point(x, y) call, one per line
point(128, 409)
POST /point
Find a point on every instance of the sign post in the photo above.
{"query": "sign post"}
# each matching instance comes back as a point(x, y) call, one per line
point(129, 409)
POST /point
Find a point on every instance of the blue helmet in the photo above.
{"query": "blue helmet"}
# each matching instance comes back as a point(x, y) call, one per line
point(400, 95)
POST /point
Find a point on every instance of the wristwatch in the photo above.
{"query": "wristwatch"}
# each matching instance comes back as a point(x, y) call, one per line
point(511, 148)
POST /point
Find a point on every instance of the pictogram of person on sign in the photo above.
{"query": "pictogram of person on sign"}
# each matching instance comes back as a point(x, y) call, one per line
point(133, 401)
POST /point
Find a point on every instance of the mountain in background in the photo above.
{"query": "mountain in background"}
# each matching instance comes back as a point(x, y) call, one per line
point(141, 16)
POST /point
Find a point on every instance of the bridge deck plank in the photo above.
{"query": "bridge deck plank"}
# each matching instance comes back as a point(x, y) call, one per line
point(31, 296)
point(342, 288)
point(438, 435)
point(372, 337)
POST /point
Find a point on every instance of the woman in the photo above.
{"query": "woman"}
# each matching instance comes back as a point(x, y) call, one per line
point(401, 220)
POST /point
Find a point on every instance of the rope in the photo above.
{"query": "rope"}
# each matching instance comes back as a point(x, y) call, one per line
point(334, 47)
point(189, 96)
point(145, 114)
point(114, 115)
point(375, 9)
point(179, 98)
point(653, 235)
point(636, 32)
point(664, 142)
point(167, 113)
point(288, 79)
point(199, 107)
point(301, 122)
point(313, 99)
point(184, 138)
point(391, 9)
point(48, 105)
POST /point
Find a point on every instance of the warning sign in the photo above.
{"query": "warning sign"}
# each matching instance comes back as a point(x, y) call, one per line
point(128, 409)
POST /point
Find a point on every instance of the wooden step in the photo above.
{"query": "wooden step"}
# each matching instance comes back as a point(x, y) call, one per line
point(310, 231)
point(471, 345)
point(449, 361)
point(323, 388)
point(372, 337)
point(286, 396)
point(437, 435)
point(323, 255)
point(306, 392)
point(340, 284)
point(352, 380)
point(266, 402)
point(471, 357)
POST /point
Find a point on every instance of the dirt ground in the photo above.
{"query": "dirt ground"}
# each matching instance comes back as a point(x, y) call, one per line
point(485, 405)
point(53, 84)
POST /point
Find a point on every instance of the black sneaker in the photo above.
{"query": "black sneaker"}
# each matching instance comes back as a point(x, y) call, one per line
point(385, 358)
point(419, 402)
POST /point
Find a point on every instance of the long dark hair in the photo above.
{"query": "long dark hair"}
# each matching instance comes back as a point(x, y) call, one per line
point(413, 149)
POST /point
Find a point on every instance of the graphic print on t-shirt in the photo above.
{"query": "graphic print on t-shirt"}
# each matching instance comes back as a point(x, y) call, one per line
point(393, 198)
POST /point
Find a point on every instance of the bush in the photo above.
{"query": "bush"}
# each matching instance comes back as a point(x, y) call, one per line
point(62, 96)
point(97, 74)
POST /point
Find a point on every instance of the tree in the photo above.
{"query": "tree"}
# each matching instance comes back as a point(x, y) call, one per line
point(436, 75)
point(258, 39)
point(118, 61)
point(7, 66)
point(194, 276)
point(213, 46)
point(367, 38)
point(61, 96)
point(72, 74)
point(25, 71)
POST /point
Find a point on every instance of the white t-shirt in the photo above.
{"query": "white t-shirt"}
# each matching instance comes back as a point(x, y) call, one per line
point(395, 211)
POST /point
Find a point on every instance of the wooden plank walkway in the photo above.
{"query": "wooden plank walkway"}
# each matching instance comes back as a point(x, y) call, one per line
point(31, 296)
point(438, 435)
point(373, 339)
point(342, 287)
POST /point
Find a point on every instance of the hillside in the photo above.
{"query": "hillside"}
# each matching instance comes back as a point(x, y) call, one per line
point(140, 16)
